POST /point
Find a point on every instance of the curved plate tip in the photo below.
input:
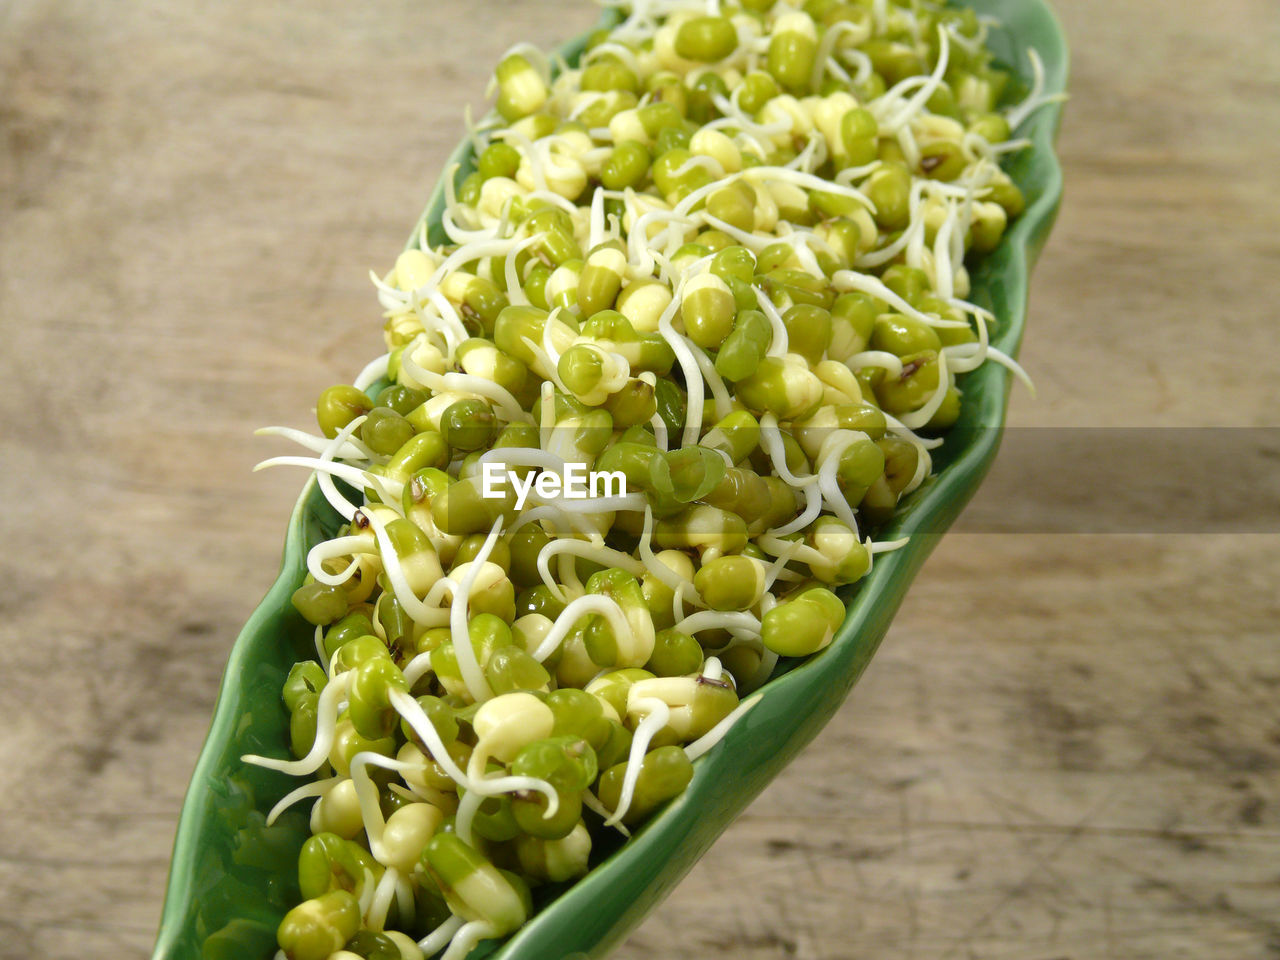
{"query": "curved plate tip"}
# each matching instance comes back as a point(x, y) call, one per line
point(231, 878)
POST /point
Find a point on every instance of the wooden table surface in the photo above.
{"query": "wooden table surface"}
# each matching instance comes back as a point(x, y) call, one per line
point(1068, 745)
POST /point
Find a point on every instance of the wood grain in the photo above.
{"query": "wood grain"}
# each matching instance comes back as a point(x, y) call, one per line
point(1068, 746)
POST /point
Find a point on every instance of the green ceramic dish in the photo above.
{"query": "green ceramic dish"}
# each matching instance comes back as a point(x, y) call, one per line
point(231, 878)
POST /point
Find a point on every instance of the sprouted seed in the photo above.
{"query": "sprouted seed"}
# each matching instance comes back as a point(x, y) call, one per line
point(725, 257)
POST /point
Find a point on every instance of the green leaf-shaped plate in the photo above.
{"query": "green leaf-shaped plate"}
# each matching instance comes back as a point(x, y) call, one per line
point(231, 878)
